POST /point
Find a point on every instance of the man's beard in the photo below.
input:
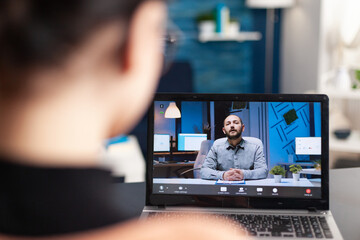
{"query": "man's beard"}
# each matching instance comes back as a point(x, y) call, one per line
point(232, 137)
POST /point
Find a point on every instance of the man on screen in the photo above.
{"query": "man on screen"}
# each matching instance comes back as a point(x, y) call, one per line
point(234, 158)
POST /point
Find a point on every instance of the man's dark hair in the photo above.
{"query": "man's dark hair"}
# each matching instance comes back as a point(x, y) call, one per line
point(233, 115)
point(44, 32)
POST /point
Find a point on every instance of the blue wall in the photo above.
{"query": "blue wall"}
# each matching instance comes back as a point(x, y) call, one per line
point(192, 117)
point(222, 67)
point(282, 136)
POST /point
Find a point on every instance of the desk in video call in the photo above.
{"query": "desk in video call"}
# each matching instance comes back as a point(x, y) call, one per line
point(167, 170)
point(285, 182)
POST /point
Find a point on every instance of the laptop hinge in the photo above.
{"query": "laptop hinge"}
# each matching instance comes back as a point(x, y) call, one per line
point(312, 209)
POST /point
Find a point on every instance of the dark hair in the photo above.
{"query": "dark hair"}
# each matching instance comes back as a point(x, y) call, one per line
point(236, 116)
point(44, 32)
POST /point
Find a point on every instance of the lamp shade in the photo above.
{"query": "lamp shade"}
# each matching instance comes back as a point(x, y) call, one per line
point(172, 111)
point(269, 3)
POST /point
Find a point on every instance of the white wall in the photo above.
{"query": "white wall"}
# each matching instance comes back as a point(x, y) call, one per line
point(336, 17)
point(329, 40)
point(310, 45)
point(300, 47)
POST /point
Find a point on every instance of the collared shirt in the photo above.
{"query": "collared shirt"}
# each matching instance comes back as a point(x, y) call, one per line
point(248, 156)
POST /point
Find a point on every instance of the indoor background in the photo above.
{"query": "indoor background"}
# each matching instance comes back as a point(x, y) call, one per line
point(274, 46)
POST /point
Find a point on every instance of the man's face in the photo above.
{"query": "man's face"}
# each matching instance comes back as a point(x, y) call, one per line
point(233, 127)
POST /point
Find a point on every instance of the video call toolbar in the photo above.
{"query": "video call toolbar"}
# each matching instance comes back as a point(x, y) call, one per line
point(237, 190)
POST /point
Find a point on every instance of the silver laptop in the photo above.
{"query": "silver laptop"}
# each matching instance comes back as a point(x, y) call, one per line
point(189, 151)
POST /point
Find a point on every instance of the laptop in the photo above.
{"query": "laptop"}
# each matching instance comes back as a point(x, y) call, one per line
point(290, 130)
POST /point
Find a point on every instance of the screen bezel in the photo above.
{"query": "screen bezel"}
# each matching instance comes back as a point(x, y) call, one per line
point(153, 199)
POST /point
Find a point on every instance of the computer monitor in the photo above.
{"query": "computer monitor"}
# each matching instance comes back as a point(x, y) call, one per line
point(161, 142)
point(275, 127)
point(190, 141)
point(271, 125)
point(308, 145)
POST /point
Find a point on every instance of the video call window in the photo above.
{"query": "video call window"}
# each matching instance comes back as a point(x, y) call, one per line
point(273, 133)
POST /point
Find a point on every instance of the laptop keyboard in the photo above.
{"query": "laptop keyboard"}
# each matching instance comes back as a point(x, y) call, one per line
point(280, 225)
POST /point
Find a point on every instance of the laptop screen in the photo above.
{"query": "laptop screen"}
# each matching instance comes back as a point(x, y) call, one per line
point(250, 148)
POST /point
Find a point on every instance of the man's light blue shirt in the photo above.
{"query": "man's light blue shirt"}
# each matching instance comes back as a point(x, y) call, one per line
point(248, 156)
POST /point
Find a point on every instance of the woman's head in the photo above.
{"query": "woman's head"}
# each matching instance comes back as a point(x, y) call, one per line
point(47, 46)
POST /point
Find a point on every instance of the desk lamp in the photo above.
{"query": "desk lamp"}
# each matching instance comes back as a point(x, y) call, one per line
point(172, 111)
